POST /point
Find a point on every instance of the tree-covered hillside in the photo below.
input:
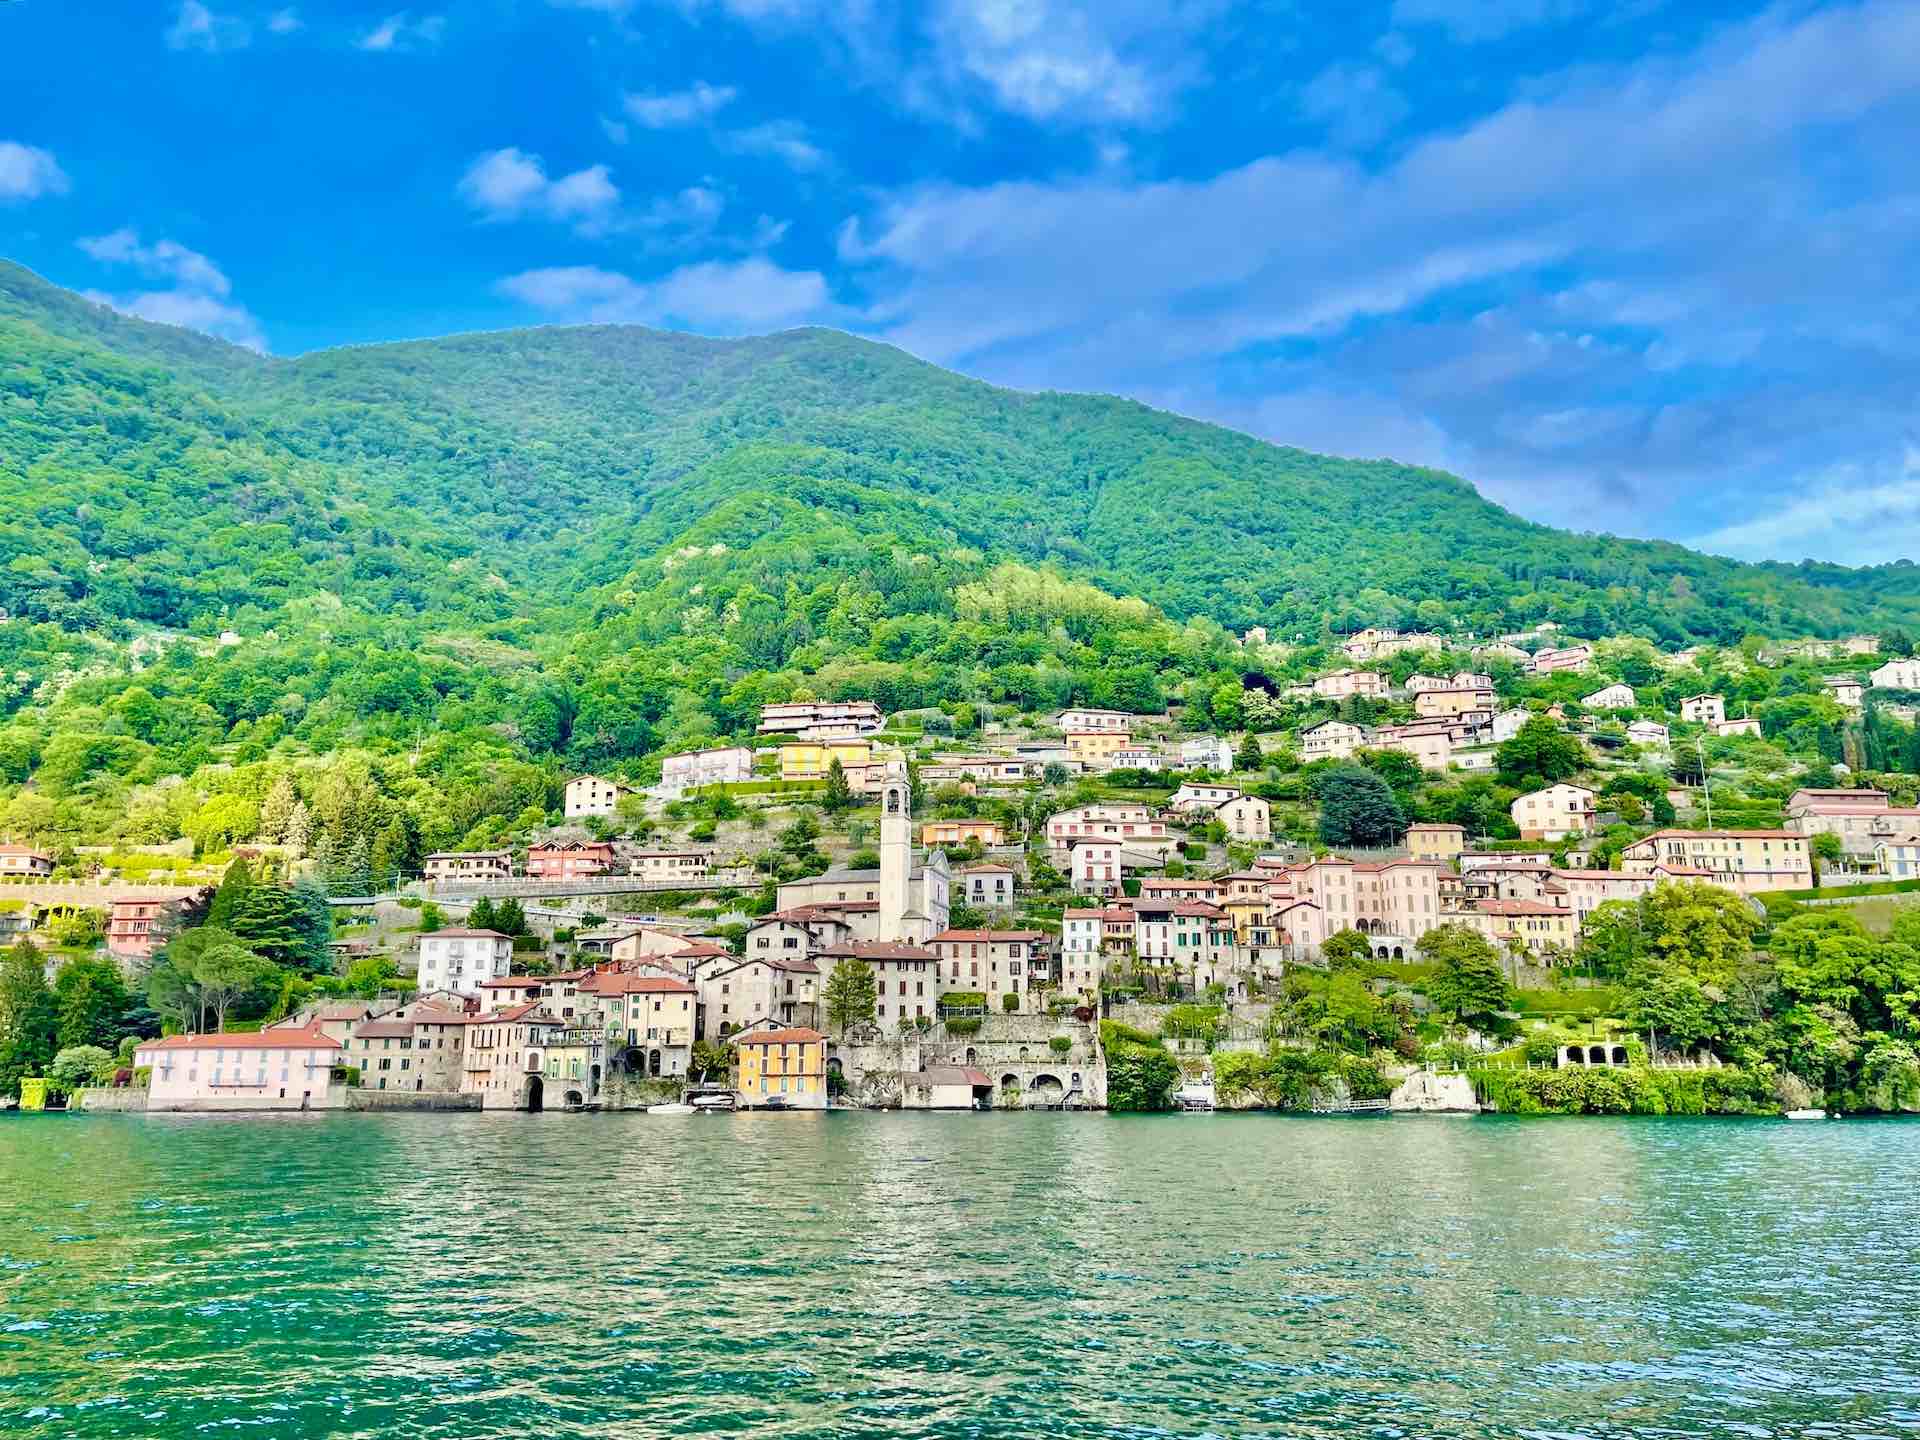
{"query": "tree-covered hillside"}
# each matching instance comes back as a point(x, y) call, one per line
point(558, 548)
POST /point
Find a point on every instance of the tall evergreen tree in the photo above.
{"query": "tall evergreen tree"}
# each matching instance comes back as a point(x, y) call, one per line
point(232, 893)
point(481, 916)
point(29, 1020)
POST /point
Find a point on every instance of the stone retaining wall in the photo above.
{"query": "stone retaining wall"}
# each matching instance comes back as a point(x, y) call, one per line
point(101, 1100)
point(390, 1100)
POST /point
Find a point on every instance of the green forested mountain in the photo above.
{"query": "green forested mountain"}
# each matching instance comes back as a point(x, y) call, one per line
point(572, 547)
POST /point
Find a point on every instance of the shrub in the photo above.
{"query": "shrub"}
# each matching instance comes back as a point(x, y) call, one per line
point(1010, 1002)
point(1140, 1077)
point(1112, 1033)
point(1060, 1044)
point(962, 1026)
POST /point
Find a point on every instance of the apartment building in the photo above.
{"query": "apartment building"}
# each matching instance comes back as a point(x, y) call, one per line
point(998, 962)
point(1746, 861)
point(593, 795)
point(1703, 709)
point(822, 719)
point(1331, 740)
point(696, 769)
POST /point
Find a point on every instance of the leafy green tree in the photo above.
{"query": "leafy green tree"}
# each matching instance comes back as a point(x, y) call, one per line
point(1140, 1077)
point(232, 974)
point(1357, 808)
point(1469, 981)
point(711, 1061)
point(368, 977)
point(1540, 754)
point(29, 1021)
point(1681, 977)
point(1347, 950)
point(1250, 757)
point(78, 1066)
point(481, 916)
point(851, 994)
point(91, 999)
point(509, 917)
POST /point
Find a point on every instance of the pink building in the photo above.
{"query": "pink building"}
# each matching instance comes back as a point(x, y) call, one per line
point(569, 860)
point(269, 1070)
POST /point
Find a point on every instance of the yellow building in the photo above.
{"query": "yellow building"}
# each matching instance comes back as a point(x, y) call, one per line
point(1096, 748)
point(958, 832)
point(787, 1066)
point(811, 759)
point(1436, 842)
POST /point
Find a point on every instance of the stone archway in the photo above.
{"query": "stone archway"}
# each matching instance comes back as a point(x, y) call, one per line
point(1045, 1090)
point(536, 1094)
point(1619, 1054)
point(1597, 1055)
point(575, 1099)
point(1574, 1055)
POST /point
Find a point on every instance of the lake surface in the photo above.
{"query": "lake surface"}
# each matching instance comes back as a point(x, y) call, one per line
point(977, 1276)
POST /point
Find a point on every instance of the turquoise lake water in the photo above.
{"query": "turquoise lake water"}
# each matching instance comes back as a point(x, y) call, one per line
point(965, 1276)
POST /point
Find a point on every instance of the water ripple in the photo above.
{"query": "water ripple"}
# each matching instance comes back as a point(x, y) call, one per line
point(977, 1277)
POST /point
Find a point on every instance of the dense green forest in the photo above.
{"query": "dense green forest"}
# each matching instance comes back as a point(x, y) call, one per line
point(437, 576)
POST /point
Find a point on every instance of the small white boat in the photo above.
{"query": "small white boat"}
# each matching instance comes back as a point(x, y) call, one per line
point(715, 1102)
point(1194, 1099)
point(1806, 1115)
point(675, 1108)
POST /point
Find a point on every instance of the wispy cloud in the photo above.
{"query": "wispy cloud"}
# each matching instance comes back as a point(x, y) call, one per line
point(195, 27)
point(1478, 20)
point(508, 184)
point(401, 32)
point(697, 103)
point(28, 172)
point(713, 296)
point(784, 140)
point(1630, 292)
point(1861, 513)
point(285, 22)
point(199, 296)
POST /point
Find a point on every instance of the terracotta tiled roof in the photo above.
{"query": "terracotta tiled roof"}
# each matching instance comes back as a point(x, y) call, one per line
point(989, 936)
point(878, 950)
point(466, 935)
point(619, 983)
point(798, 1035)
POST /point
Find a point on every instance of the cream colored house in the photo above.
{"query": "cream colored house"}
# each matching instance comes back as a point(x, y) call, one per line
point(1331, 740)
point(593, 795)
point(1703, 709)
point(1746, 861)
point(1451, 701)
point(1610, 697)
point(1554, 813)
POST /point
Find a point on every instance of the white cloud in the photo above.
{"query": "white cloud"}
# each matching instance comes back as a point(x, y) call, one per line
point(723, 297)
point(187, 268)
point(509, 183)
point(783, 140)
point(402, 32)
point(199, 300)
point(1857, 513)
point(1626, 224)
point(698, 102)
point(1040, 60)
point(1356, 103)
point(27, 172)
point(284, 22)
point(195, 27)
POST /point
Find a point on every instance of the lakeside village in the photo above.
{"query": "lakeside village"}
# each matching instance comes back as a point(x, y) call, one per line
point(1558, 880)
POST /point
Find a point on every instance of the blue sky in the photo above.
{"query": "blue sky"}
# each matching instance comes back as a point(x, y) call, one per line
point(1639, 266)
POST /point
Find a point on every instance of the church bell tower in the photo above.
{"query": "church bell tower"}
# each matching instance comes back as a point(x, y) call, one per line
point(896, 851)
